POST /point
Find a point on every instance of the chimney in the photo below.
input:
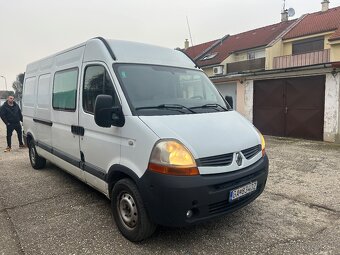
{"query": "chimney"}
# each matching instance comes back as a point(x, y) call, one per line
point(325, 5)
point(186, 44)
point(284, 15)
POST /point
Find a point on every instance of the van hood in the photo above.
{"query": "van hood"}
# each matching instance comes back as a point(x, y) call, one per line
point(207, 134)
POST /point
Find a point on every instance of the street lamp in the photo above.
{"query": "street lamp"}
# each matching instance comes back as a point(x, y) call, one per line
point(5, 80)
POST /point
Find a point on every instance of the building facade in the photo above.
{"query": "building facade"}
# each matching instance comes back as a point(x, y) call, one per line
point(283, 77)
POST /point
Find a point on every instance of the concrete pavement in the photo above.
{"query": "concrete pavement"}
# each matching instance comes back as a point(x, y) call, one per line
point(50, 212)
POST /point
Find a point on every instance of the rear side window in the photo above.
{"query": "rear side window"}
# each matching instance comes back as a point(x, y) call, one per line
point(97, 82)
point(65, 90)
point(29, 92)
point(43, 92)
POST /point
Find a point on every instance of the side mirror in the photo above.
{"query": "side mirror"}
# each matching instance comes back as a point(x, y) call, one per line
point(229, 100)
point(105, 115)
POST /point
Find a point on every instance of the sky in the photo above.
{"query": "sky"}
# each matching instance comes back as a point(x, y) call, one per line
point(33, 29)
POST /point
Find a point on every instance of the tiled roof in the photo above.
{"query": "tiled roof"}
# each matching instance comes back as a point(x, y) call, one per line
point(196, 50)
point(315, 23)
point(335, 36)
point(243, 41)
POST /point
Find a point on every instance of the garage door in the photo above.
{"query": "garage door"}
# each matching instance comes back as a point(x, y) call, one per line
point(290, 107)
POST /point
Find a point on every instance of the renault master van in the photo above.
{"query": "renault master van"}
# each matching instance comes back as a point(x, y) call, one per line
point(147, 128)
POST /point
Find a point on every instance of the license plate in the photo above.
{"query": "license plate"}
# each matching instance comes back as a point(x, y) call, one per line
point(242, 191)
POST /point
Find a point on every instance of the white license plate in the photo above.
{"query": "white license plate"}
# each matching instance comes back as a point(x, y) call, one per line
point(242, 191)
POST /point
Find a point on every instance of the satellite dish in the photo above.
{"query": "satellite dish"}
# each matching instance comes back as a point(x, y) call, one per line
point(291, 12)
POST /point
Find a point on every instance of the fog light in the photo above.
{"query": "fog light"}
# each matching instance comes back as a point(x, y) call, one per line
point(189, 213)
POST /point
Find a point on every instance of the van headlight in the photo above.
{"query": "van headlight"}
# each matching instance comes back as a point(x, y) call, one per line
point(173, 158)
point(263, 143)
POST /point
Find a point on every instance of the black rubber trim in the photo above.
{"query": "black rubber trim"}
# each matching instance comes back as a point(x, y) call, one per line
point(66, 157)
point(44, 122)
point(44, 146)
point(96, 171)
point(107, 47)
point(91, 169)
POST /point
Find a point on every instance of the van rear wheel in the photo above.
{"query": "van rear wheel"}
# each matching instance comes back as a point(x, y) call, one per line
point(129, 212)
point(37, 162)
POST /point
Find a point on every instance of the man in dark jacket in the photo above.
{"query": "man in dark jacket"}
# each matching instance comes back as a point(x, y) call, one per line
point(10, 114)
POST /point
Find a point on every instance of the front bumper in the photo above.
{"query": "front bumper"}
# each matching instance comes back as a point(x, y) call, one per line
point(168, 198)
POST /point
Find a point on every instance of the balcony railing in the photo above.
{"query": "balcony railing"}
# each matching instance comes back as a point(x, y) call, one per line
point(306, 59)
point(248, 65)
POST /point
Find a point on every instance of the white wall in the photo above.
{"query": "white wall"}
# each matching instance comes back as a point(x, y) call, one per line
point(331, 118)
point(248, 99)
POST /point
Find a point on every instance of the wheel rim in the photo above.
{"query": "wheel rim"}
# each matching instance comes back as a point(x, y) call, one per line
point(127, 210)
point(32, 155)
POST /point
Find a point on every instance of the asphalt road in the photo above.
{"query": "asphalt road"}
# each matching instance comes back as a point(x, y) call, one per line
point(50, 212)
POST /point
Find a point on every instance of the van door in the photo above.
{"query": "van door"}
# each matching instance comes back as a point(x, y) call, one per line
point(65, 136)
point(100, 147)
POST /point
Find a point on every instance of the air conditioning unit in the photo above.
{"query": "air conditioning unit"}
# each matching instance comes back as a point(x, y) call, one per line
point(218, 70)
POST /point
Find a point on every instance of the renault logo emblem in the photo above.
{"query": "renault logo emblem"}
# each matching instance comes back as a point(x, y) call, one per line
point(238, 159)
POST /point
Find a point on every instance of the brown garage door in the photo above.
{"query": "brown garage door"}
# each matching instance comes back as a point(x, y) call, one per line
point(290, 107)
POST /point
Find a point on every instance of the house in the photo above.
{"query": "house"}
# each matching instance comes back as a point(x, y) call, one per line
point(284, 77)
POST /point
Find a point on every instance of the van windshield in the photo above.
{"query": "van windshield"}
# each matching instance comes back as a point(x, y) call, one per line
point(162, 90)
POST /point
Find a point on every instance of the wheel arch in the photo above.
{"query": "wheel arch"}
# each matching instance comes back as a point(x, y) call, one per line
point(29, 137)
point(118, 172)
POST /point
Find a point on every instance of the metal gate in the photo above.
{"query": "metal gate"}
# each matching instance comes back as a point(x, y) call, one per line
point(290, 107)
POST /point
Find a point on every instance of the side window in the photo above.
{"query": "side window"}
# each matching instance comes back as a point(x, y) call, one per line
point(308, 45)
point(97, 82)
point(65, 90)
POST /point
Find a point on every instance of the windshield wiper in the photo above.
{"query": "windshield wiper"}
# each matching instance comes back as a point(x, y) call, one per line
point(215, 106)
point(167, 106)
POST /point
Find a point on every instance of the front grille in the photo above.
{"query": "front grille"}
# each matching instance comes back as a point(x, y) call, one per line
point(225, 205)
point(251, 152)
point(218, 207)
point(227, 159)
point(220, 160)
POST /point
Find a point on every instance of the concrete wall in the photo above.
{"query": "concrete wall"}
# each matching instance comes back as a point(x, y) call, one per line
point(331, 117)
point(248, 98)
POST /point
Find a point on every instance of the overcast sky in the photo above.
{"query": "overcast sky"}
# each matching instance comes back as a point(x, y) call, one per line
point(33, 29)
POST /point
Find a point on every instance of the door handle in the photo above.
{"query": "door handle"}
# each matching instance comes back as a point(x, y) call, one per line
point(77, 130)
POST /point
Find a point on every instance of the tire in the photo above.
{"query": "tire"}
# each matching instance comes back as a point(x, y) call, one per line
point(37, 162)
point(129, 212)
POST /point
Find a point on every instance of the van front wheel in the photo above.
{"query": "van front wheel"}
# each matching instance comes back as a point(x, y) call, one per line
point(129, 212)
point(37, 162)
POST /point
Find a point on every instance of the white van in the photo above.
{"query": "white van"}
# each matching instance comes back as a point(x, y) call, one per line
point(145, 127)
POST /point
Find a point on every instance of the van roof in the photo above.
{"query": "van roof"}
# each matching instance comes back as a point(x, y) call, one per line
point(120, 51)
point(134, 52)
